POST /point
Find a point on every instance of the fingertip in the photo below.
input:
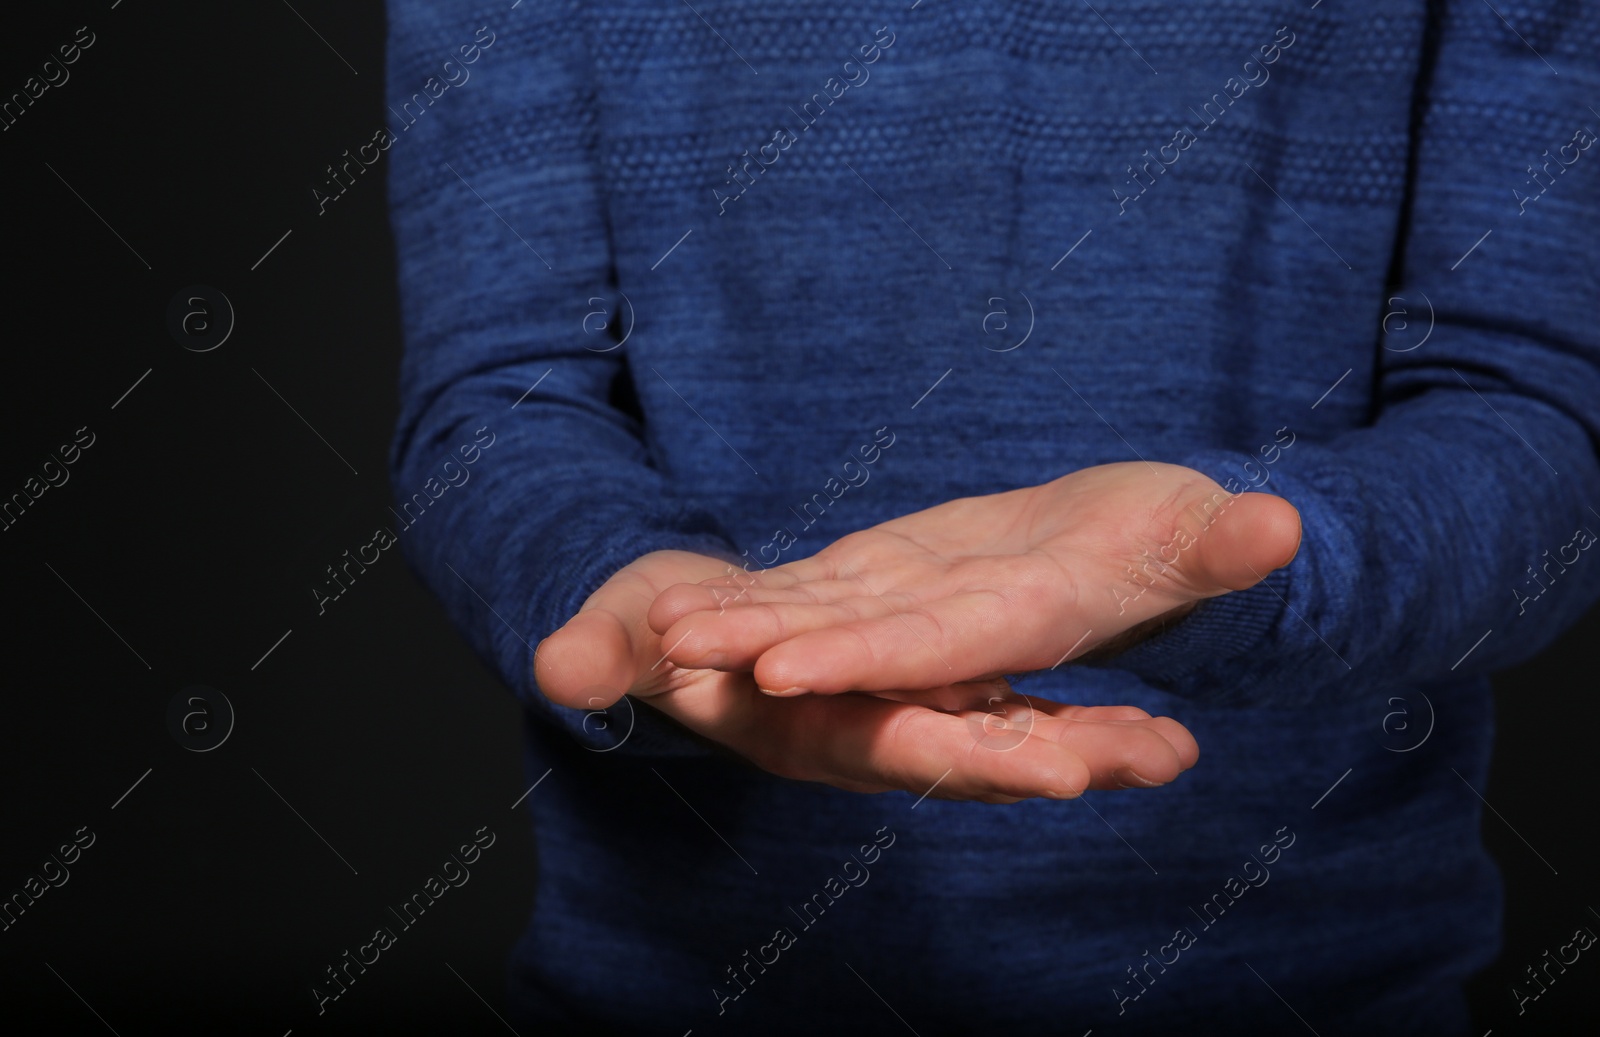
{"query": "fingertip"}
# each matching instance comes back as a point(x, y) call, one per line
point(1258, 533)
point(673, 604)
point(1281, 529)
point(550, 665)
point(1157, 760)
point(1179, 737)
point(699, 641)
point(1068, 778)
point(1144, 748)
point(1299, 533)
point(829, 661)
point(588, 659)
point(1158, 768)
point(774, 672)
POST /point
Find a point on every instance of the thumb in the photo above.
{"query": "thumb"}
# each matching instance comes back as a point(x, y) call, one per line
point(608, 650)
point(1255, 534)
point(590, 662)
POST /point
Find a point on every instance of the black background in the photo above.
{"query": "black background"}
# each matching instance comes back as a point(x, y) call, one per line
point(189, 535)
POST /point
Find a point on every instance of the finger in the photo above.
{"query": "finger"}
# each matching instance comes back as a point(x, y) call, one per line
point(590, 658)
point(715, 594)
point(1176, 734)
point(605, 650)
point(947, 641)
point(866, 743)
point(1000, 718)
point(997, 696)
point(1153, 750)
point(1179, 737)
point(735, 638)
point(1257, 533)
point(1062, 711)
point(924, 751)
point(1118, 754)
point(1006, 717)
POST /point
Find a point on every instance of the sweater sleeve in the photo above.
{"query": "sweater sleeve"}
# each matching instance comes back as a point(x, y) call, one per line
point(1451, 535)
point(522, 479)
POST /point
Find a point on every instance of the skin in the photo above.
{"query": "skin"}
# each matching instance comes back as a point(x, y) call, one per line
point(880, 654)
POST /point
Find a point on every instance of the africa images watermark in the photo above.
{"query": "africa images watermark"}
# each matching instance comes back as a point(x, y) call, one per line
point(343, 579)
point(53, 472)
point(834, 488)
point(53, 874)
point(1184, 937)
point(1256, 475)
point(784, 938)
point(1207, 117)
point(1580, 142)
point(14, 107)
point(1582, 939)
point(1583, 538)
point(342, 179)
point(454, 872)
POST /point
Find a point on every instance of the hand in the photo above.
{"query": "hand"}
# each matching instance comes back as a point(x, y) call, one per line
point(983, 586)
point(861, 743)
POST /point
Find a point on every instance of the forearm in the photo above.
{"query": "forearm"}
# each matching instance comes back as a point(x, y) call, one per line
point(1419, 534)
point(500, 234)
point(1477, 462)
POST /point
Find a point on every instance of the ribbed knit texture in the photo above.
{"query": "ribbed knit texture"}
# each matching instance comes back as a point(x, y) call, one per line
point(1270, 278)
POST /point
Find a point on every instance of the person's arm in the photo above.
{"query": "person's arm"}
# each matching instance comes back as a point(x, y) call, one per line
point(552, 528)
point(500, 239)
point(1423, 532)
point(1420, 533)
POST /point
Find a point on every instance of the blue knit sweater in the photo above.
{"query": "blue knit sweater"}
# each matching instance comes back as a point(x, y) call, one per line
point(667, 269)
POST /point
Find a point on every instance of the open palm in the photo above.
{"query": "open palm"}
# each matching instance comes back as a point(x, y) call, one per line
point(983, 586)
point(865, 743)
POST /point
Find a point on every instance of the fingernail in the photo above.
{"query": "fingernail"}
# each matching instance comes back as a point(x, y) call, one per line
point(782, 692)
point(1129, 780)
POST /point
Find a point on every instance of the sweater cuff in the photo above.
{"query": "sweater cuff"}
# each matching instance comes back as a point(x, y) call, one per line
point(1192, 656)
